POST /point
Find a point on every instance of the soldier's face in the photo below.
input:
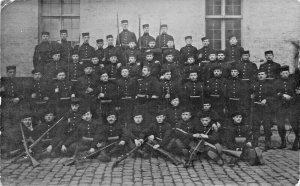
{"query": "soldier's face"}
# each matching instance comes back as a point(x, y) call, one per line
point(111, 119)
point(168, 75)
point(169, 58)
point(100, 45)
point(138, 119)
point(37, 76)
point(87, 116)
point(221, 56)
point(110, 41)
point(205, 42)
point(245, 57)
point(233, 41)
point(205, 121)
point(49, 117)
point(206, 106)
point(160, 118)
point(186, 116)
point(131, 59)
point(125, 73)
point(217, 72)
point(131, 44)
point(297, 90)
point(125, 26)
point(284, 74)
point(170, 44)
point(145, 72)
point(113, 59)
point(88, 70)
point(175, 102)
point(104, 77)
point(74, 107)
point(86, 39)
point(27, 122)
point(149, 57)
point(190, 60)
point(151, 44)
point(56, 57)
point(45, 37)
point(61, 76)
point(234, 73)
point(262, 75)
point(95, 60)
point(146, 29)
point(11, 73)
point(237, 119)
point(269, 57)
point(189, 41)
point(63, 36)
point(164, 29)
point(212, 57)
point(193, 76)
point(75, 57)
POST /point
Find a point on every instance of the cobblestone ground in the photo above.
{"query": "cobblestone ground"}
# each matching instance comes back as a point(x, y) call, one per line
point(282, 168)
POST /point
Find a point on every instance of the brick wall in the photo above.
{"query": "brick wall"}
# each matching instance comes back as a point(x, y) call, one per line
point(19, 35)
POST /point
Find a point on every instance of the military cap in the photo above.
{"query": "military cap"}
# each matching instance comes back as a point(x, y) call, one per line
point(53, 52)
point(137, 112)
point(109, 36)
point(85, 34)
point(186, 109)
point(201, 115)
point(131, 40)
point(190, 56)
point(151, 40)
point(168, 53)
point(160, 112)
point(174, 96)
point(163, 25)
point(149, 52)
point(75, 101)
point(213, 52)
point(188, 37)
point(245, 52)
point(204, 38)
point(26, 115)
point(11, 67)
point(75, 52)
point(261, 70)
point(113, 54)
point(45, 33)
point(99, 41)
point(284, 68)
point(85, 110)
point(236, 113)
point(163, 71)
point(221, 52)
point(111, 113)
point(216, 67)
point(193, 71)
point(49, 110)
point(87, 64)
point(269, 52)
point(230, 37)
point(60, 70)
point(36, 70)
point(234, 67)
point(206, 100)
point(131, 55)
point(94, 56)
point(124, 21)
point(145, 25)
point(103, 72)
point(63, 31)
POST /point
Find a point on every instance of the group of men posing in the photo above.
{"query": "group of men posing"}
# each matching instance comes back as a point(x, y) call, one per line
point(145, 90)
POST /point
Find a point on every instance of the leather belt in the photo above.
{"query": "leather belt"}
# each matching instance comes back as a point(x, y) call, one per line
point(86, 59)
point(65, 98)
point(47, 140)
point(113, 138)
point(106, 101)
point(40, 102)
point(234, 99)
point(195, 96)
point(87, 138)
point(258, 103)
point(74, 80)
point(245, 79)
point(127, 97)
point(270, 78)
point(142, 96)
point(215, 95)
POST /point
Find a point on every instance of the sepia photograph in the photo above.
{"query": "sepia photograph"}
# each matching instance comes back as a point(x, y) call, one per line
point(150, 92)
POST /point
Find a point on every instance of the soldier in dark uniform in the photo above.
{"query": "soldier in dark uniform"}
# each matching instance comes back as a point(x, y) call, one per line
point(171, 64)
point(187, 50)
point(171, 50)
point(262, 95)
point(157, 52)
point(234, 51)
point(206, 67)
point(190, 65)
point(53, 65)
point(86, 51)
point(154, 65)
point(125, 36)
point(145, 38)
point(38, 94)
point(96, 65)
point(76, 68)
point(209, 111)
point(100, 51)
point(134, 67)
point(131, 50)
point(225, 67)
point(204, 52)
point(285, 90)
point(270, 67)
point(174, 111)
point(246, 68)
point(163, 38)
point(295, 121)
point(42, 53)
point(66, 46)
point(113, 68)
point(111, 49)
point(126, 92)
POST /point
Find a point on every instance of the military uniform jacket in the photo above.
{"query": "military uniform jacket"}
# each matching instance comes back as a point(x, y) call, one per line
point(109, 89)
point(187, 68)
point(173, 67)
point(272, 69)
point(169, 87)
point(213, 136)
point(175, 53)
point(157, 54)
point(162, 40)
point(135, 70)
point(97, 69)
point(136, 131)
point(247, 70)
point(284, 86)
point(52, 67)
point(29, 133)
point(148, 86)
point(69, 126)
point(109, 50)
point(225, 67)
point(212, 114)
point(51, 136)
point(42, 54)
point(66, 49)
point(100, 54)
point(126, 87)
point(233, 131)
point(109, 132)
point(155, 68)
point(12, 89)
point(75, 71)
point(193, 88)
point(84, 82)
point(162, 131)
point(189, 127)
point(113, 71)
point(40, 88)
point(262, 90)
point(130, 51)
point(174, 115)
point(236, 90)
point(125, 36)
point(144, 40)
point(86, 51)
point(205, 51)
point(64, 90)
point(233, 53)
point(215, 87)
point(186, 51)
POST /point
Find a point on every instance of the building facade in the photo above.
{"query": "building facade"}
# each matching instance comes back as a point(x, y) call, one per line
point(259, 24)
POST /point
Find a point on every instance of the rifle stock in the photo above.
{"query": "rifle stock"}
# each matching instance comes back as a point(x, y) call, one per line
point(118, 30)
point(166, 154)
point(123, 157)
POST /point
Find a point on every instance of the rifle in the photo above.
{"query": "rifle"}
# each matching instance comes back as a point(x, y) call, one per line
point(159, 40)
point(166, 154)
point(118, 30)
point(33, 161)
point(140, 39)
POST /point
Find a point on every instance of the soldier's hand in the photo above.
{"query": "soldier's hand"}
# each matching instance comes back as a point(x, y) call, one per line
point(151, 138)
point(56, 90)
point(162, 77)
point(33, 95)
point(249, 144)
point(204, 136)
point(122, 143)
point(89, 89)
point(69, 120)
point(252, 96)
point(148, 50)
point(156, 146)
point(103, 59)
point(167, 96)
point(156, 61)
point(16, 100)
point(297, 91)
point(101, 95)
point(49, 148)
point(92, 150)
point(137, 143)
point(119, 65)
point(154, 96)
point(200, 56)
point(2, 89)
point(218, 125)
point(196, 135)
point(215, 127)
point(63, 148)
point(264, 101)
point(101, 65)
point(141, 141)
point(99, 145)
point(287, 97)
point(46, 98)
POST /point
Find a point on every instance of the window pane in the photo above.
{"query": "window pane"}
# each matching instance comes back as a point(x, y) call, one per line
point(72, 25)
point(213, 7)
point(213, 32)
point(233, 7)
point(70, 8)
point(51, 25)
point(233, 27)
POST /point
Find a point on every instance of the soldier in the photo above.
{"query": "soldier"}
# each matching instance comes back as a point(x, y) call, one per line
point(125, 36)
point(246, 68)
point(110, 131)
point(187, 50)
point(134, 67)
point(204, 52)
point(42, 53)
point(131, 50)
point(224, 64)
point(262, 95)
point(171, 64)
point(190, 65)
point(285, 90)
point(206, 67)
point(38, 94)
point(171, 50)
point(75, 68)
point(154, 65)
point(234, 52)
point(111, 49)
point(174, 111)
point(113, 68)
point(157, 52)
point(209, 111)
point(126, 92)
point(66, 46)
point(163, 38)
point(86, 51)
point(295, 121)
point(145, 38)
point(53, 65)
point(193, 92)
point(100, 51)
point(270, 67)
point(96, 65)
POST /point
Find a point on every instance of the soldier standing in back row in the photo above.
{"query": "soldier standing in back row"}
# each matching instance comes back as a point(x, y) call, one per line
point(145, 38)
point(204, 52)
point(163, 38)
point(86, 51)
point(125, 36)
point(270, 67)
point(66, 48)
point(187, 50)
point(233, 52)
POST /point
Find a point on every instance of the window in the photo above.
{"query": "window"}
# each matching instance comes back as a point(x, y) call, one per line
point(61, 14)
point(223, 19)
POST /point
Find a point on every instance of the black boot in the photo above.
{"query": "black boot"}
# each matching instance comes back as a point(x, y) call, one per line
point(296, 144)
point(283, 144)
